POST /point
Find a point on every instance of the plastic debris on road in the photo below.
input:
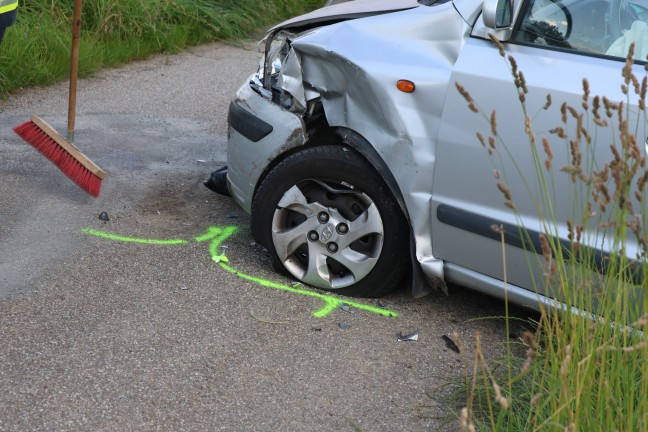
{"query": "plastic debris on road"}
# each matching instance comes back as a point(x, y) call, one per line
point(451, 344)
point(408, 337)
point(345, 307)
point(217, 182)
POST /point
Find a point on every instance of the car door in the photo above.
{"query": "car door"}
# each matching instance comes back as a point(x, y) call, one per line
point(555, 45)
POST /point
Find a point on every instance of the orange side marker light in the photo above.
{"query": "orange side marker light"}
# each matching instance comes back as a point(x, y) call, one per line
point(405, 86)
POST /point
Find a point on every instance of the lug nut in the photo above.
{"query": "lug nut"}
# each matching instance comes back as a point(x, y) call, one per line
point(313, 236)
point(323, 217)
point(342, 228)
point(332, 247)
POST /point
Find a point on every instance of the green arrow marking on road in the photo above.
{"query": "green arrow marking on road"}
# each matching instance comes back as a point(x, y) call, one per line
point(216, 236)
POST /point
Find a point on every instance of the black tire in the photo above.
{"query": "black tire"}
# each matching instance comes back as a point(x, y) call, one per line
point(358, 235)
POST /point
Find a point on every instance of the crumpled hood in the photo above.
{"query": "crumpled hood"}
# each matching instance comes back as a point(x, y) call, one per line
point(349, 10)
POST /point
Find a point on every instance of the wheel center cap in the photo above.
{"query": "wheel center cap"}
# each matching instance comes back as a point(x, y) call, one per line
point(327, 232)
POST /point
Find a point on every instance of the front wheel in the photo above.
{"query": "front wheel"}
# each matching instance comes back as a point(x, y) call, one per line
point(330, 221)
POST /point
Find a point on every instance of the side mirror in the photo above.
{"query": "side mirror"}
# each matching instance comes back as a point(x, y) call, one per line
point(498, 14)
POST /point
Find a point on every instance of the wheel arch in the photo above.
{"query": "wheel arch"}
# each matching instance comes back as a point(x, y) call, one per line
point(359, 143)
point(341, 136)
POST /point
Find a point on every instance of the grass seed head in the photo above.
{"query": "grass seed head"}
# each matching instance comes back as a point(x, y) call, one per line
point(636, 85)
point(609, 106)
point(566, 360)
point(627, 68)
point(546, 249)
point(505, 190)
point(547, 103)
point(559, 131)
point(573, 111)
point(596, 105)
point(501, 400)
point(639, 346)
point(514, 67)
point(497, 228)
point(498, 44)
point(547, 148)
point(480, 137)
point(522, 82)
point(467, 97)
point(463, 418)
point(577, 156)
point(641, 183)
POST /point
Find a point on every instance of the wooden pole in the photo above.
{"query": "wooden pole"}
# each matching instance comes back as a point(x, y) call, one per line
point(74, 68)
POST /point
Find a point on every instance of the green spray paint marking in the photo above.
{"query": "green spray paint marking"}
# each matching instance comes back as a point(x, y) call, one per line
point(331, 302)
point(216, 236)
point(131, 239)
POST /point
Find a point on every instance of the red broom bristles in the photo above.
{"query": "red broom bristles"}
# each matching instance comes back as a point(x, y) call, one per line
point(65, 161)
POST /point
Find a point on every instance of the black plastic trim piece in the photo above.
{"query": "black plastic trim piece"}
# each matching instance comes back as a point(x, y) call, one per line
point(513, 236)
point(247, 124)
point(481, 225)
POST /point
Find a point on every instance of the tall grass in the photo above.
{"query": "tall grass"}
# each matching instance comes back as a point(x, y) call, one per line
point(36, 50)
point(585, 368)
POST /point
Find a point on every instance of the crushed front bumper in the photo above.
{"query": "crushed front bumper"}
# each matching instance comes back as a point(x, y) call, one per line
point(259, 131)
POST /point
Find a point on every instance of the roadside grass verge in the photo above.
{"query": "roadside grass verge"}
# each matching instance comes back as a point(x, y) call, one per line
point(36, 50)
point(585, 366)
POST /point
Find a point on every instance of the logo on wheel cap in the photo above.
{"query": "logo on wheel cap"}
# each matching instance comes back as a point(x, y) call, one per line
point(327, 232)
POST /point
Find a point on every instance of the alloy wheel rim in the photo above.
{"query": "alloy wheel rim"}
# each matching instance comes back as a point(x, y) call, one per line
point(329, 236)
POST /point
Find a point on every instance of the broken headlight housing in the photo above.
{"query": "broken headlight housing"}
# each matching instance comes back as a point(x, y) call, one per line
point(279, 75)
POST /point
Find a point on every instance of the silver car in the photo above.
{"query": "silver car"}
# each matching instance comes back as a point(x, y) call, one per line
point(357, 156)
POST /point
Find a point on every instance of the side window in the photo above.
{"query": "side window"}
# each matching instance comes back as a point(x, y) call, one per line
point(605, 27)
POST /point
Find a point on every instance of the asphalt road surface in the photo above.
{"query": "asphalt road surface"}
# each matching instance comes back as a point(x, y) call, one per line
point(103, 333)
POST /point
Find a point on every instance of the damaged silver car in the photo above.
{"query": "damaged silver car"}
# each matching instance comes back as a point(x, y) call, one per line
point(357, 157)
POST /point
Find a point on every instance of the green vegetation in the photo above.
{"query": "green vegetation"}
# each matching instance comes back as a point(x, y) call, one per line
point(36, 50)
point(577, 371)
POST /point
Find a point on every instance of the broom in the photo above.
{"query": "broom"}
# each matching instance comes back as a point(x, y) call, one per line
point(51, 144)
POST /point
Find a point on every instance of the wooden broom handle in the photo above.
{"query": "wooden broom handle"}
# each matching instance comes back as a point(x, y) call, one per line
point(74, 68)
